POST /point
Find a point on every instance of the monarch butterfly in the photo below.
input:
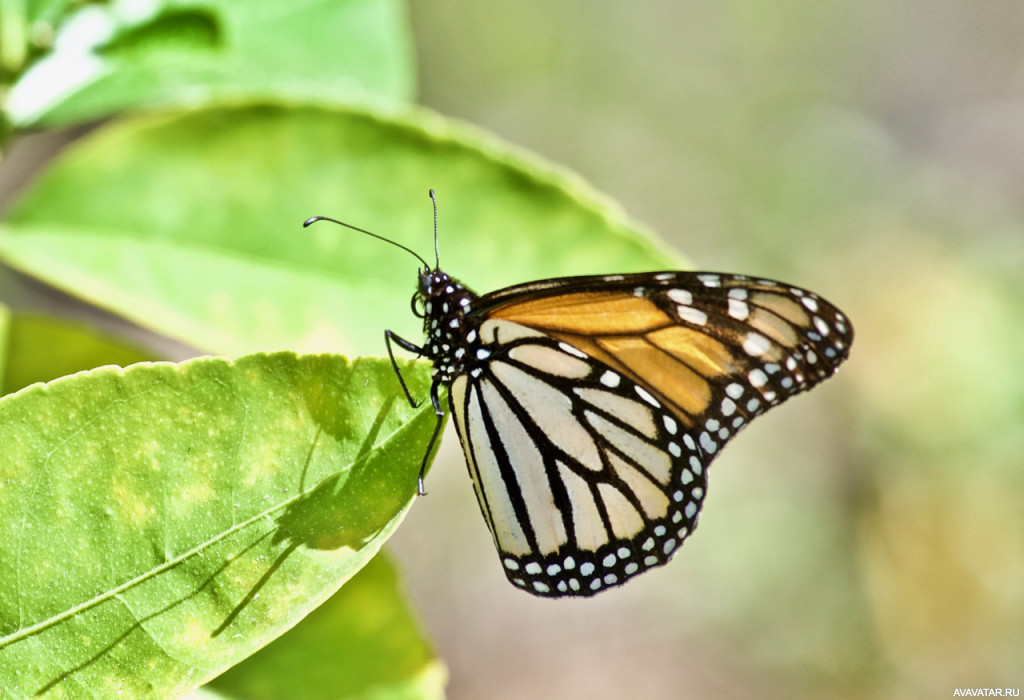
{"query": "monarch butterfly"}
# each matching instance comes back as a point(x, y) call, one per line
point(589, 408)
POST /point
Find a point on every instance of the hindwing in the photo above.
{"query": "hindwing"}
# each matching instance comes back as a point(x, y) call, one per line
point(583, 477)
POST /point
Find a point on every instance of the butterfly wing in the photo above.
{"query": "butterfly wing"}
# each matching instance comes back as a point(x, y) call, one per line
point(596, 404)
point(582, 483)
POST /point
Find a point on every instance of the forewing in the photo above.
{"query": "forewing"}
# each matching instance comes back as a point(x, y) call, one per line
point(718, 349)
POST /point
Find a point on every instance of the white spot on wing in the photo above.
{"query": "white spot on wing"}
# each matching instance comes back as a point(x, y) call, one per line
point(572, 351)
point(692, 315)
point(756, 344)
point(707, 443)
point(680, 296)
point(738, 309)
point(646, 396)
point(757, 378)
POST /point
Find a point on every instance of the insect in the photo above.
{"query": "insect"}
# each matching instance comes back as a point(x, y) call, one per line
point(589, 408)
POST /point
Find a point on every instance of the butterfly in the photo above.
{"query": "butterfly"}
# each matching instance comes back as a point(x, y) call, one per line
point(589, 408)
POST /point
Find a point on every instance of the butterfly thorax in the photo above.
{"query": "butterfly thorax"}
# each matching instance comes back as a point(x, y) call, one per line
point(449, 327)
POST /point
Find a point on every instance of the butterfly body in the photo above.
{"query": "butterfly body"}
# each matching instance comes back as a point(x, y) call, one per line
point(589, 408)
point(448, 323)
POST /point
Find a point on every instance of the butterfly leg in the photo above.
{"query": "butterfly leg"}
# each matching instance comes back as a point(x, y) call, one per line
point(439, 412)
point(405, 345)
point(435, 400)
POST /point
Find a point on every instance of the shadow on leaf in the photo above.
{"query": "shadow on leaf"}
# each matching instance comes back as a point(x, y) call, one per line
point(347, 509)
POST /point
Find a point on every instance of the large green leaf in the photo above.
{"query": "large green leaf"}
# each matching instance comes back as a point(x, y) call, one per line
point(105, 57)
point(190, 223)
point(162, 522)
point(365, 638)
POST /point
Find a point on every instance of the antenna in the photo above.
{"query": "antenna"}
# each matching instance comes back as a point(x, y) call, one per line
point(437, 254)
point(426, 265)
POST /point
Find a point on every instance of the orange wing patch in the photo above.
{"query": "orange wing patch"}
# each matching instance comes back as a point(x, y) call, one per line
point(694, 348)
point(632, 335)
point(587, 314)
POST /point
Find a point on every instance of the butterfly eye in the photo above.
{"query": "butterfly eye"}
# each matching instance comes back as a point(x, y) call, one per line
point(417, 304)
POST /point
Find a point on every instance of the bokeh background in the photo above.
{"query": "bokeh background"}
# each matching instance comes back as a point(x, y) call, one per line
point(863, 541)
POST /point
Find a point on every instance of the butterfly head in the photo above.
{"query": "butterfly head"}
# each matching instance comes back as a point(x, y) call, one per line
point(445, 305)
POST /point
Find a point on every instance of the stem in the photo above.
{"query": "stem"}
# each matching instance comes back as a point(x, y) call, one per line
point(13, 36)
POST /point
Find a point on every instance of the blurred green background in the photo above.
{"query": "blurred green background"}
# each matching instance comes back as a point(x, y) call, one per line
point(866, 540)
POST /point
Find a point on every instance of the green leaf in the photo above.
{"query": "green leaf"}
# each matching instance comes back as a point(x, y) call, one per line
point(42, 348)
point(107, 57)
point(364, 638)
point(190, 223)
point(160, 523)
